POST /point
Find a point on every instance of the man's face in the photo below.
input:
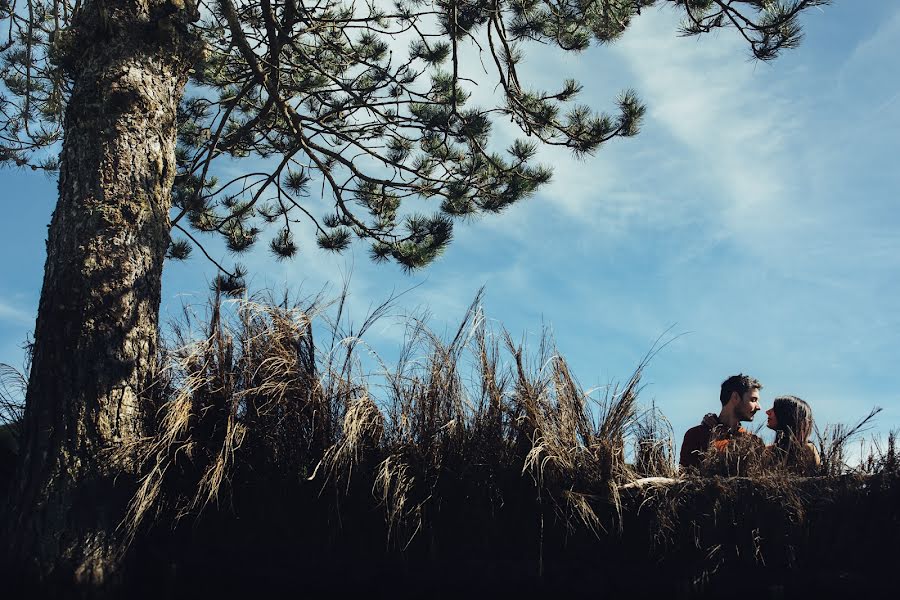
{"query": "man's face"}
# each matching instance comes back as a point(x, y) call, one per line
point(747, 404)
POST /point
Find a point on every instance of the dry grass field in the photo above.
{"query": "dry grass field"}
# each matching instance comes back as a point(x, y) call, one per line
point(284, 456)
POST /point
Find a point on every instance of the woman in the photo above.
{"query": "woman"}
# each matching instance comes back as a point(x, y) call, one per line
point(791, 419)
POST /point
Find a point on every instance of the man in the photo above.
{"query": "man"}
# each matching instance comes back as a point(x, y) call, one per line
point(740, 401)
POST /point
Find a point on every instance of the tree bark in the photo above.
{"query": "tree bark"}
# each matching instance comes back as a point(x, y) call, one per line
point(95, 340)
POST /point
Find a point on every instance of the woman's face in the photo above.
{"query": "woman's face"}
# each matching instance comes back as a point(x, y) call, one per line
point(772, 423)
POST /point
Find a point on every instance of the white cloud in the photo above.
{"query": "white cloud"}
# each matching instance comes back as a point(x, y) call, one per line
point(14, 315)
point(729, 123)
point(872, 55)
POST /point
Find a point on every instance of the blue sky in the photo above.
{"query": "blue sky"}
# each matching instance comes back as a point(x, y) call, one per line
point(757, 212)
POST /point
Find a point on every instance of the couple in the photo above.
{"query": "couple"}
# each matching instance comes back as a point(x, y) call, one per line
point(790, 418)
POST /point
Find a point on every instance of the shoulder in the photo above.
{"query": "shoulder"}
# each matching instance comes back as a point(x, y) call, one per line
point(696, 440)
point(698, 432)
point(813, 454)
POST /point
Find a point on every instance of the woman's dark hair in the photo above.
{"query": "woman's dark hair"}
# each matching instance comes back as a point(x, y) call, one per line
point(795, 422)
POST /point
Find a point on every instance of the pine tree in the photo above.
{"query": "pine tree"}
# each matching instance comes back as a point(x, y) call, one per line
point(363, 103)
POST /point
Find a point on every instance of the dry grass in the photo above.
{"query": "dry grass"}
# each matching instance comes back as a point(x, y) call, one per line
point(655, 445)
point(833, 442)
point(465, 446)
point(12, 401)
point(255, 394)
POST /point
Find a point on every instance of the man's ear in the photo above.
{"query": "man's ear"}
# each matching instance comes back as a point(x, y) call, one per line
point(735, 398)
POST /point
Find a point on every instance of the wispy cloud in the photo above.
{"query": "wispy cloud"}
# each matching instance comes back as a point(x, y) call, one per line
point(14, 315)
point(873, 55)
point(730, 127)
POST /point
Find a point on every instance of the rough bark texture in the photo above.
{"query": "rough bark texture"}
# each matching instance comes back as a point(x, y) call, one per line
point(96, 332)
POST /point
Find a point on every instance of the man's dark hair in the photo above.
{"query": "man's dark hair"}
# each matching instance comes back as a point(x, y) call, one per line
point(739, 383)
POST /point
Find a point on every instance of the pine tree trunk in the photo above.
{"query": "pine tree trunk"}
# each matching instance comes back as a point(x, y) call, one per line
point(96, 334)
